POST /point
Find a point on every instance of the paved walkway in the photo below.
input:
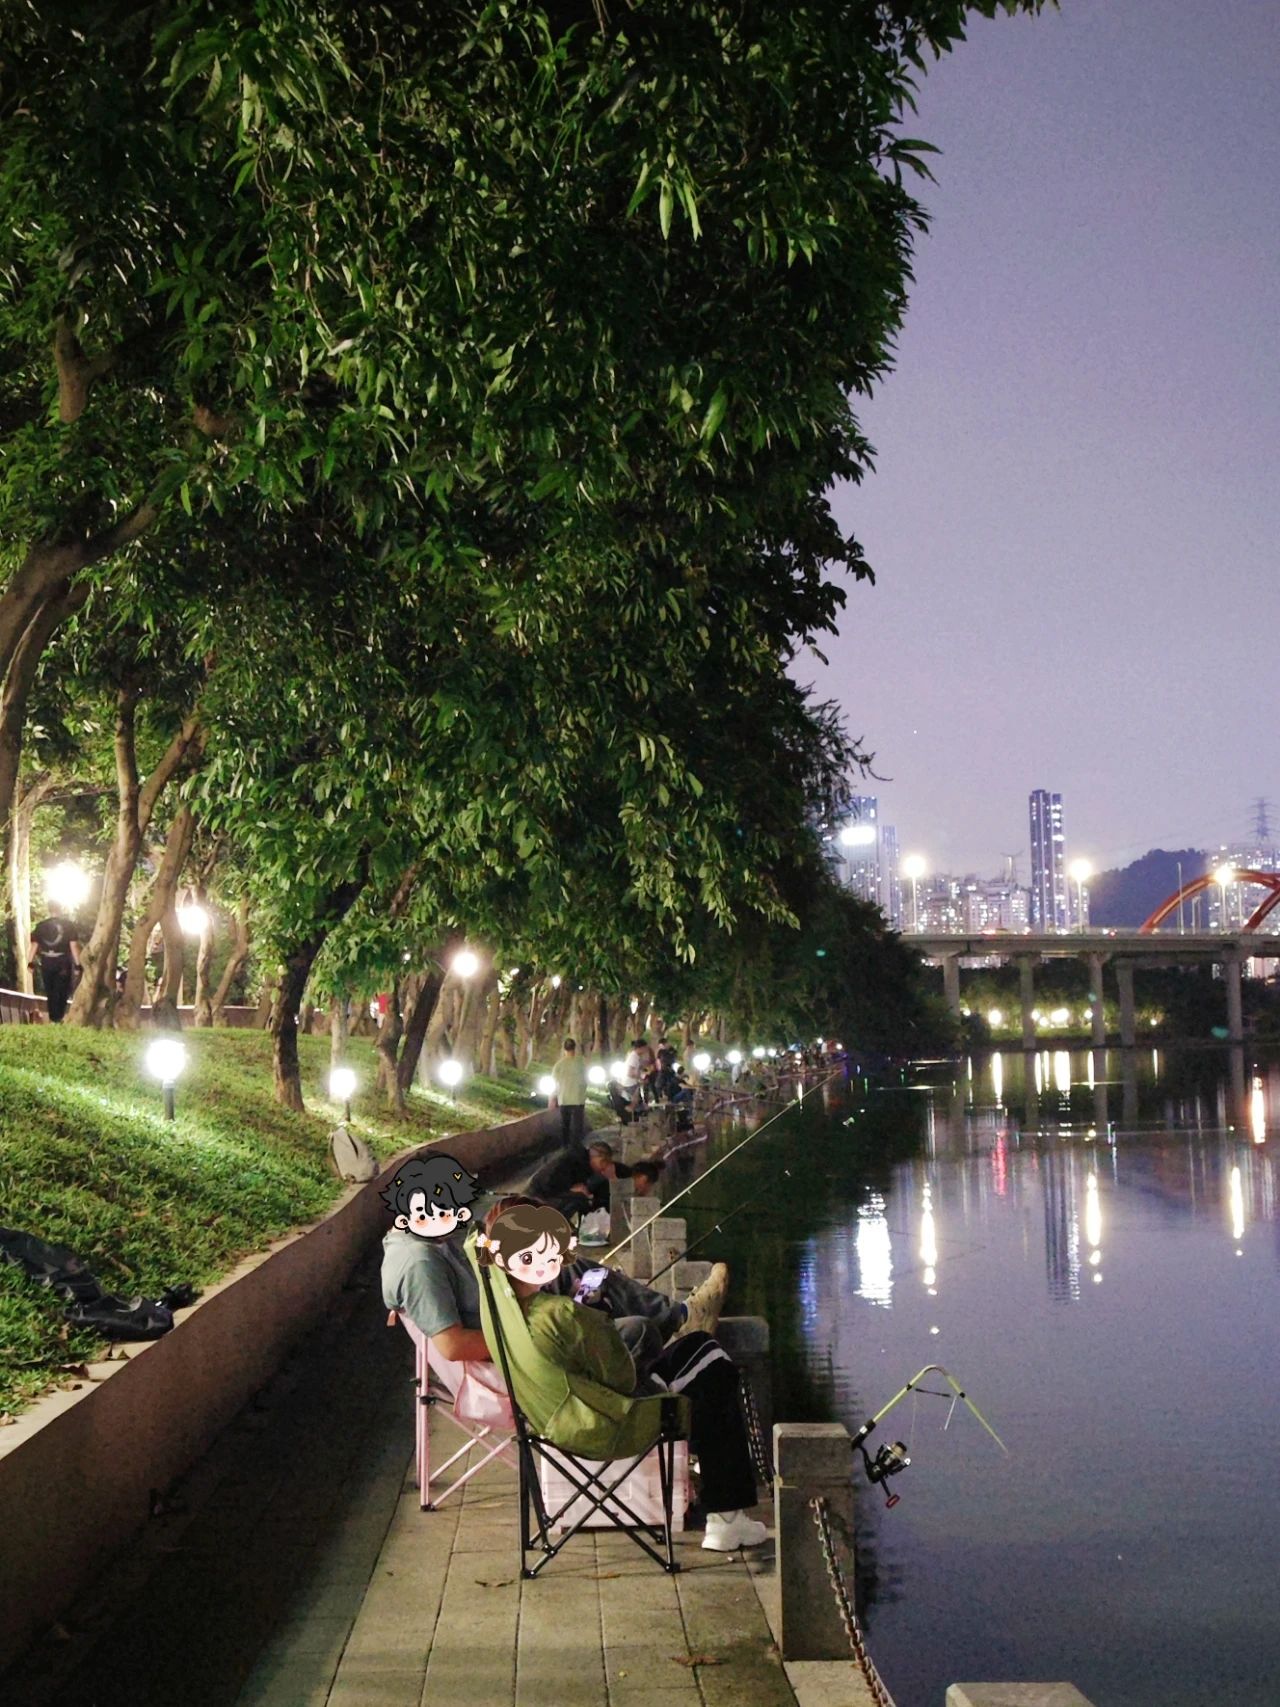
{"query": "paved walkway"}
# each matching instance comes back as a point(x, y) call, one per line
point(293, 1568)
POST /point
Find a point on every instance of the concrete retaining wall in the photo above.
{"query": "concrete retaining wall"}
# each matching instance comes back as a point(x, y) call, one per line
point(77, 1470)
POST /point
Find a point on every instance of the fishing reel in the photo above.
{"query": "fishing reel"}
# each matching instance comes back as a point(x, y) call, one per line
point(891, 1460)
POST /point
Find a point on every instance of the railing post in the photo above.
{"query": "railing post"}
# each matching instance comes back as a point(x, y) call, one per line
point(811, 1460)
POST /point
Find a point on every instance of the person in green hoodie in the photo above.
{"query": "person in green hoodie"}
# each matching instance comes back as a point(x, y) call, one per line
point(579, 1386)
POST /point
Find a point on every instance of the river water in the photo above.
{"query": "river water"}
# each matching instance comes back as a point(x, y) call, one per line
point(1089, 1242)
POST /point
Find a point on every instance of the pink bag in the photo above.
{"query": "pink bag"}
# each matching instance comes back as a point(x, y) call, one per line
point(479, 1392)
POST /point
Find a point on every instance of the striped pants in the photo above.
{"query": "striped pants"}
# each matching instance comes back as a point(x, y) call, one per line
point(701, 1369)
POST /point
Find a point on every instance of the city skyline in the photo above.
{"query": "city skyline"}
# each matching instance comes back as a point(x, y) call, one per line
point(1072, 514)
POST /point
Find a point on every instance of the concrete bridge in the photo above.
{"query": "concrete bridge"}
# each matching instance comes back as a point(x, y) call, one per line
point(1123, 949)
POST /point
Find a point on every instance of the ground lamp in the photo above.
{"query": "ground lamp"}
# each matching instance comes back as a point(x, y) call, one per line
point(617, 1069)
point(702, 1062)
point(342, 1087)
point(914, 868)
point(758, 1052)
point(193, 919)
point(734, 1057)
point(465, 963)
point(66, 886)
point(546, 1086)
point(1081, 872)
point(166, 1059)
point(451, 1072)
point(596, 1075)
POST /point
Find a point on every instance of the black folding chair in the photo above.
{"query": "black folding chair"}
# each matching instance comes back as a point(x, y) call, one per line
point(597, 1487)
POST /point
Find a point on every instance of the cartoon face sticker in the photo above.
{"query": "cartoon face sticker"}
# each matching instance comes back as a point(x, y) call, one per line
point(532, 1242)
point(430, 1195)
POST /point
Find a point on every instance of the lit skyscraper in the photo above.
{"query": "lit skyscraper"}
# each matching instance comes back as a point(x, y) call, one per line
point(868, 854)
point(1049, 904)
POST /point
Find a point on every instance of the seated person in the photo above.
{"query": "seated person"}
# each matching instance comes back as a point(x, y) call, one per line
point(426, 1275)
point(530, 1243)
point(644, 1179)
point(620, 1102)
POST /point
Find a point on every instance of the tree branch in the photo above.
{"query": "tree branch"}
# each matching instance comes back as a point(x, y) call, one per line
point(190, 736)
point(76, 371)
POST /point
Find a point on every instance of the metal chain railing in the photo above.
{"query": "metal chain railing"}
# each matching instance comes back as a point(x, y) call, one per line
point(761, 1457)
point(844, 1606)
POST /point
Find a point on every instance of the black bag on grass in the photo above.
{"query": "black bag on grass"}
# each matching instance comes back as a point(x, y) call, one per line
point(88, 1306)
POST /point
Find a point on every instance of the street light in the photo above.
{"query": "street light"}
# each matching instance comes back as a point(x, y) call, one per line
point(166, 1059)
point(1081, 872)
point(451, 1072)
point(342, 1087)
point(193, 919)
point(914, 867)
point(66, 886)
point(465, 963)
point(1222, 876)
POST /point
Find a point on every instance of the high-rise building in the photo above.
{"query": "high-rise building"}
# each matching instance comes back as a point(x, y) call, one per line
point(1049, 904)
point(866, 853)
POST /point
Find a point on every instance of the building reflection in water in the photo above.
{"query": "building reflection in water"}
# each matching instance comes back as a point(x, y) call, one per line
point(1093, 1225)
point(928, 1239)
point(997, 1078)
point(1061, 1225)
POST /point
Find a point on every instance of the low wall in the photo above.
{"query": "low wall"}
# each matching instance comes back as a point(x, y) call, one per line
point(77, 1470)
point(19, 1009)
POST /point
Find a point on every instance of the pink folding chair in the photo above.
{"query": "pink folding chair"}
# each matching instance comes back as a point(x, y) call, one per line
point(480, 1407)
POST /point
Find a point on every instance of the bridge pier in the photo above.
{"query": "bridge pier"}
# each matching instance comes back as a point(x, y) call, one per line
point(951, 981)
point(1232, 971)
point(1098, 1016)
point(1027, 991)
point(1128, 1014)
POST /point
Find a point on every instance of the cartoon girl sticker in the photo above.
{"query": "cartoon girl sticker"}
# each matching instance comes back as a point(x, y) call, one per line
point(530, 1242)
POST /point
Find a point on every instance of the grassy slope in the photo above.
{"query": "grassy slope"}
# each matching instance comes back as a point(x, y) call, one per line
point(87, 1160)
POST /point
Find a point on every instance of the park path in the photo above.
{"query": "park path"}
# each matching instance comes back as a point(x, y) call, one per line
point(293, 1568)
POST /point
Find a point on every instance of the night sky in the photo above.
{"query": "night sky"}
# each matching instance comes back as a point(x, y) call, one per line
point(1076, 511)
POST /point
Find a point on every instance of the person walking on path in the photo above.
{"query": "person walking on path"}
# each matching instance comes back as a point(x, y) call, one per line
point(55, 944)
point(570, 1075)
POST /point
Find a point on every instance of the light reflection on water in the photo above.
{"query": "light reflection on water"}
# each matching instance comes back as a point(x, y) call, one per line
point(1090, 1243)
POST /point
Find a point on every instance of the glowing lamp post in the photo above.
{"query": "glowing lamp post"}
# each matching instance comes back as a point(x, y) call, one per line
point(451, 1074)
point(702, 1062)
point(342, 1087)
point(465, 963)
point(597, 1076)
point(1224, 875)
point(546, 1086)
point(758, 1052)
point(166, 1060)
point(1081, 872)
point(193, 919)
point(914, 867)
point(66, 886)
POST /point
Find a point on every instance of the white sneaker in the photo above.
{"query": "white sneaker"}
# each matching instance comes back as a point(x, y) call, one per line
point(729, 1530)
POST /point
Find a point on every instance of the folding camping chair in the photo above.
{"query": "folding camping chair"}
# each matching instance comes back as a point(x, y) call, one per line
point(480, 1408)
point(563, 1490)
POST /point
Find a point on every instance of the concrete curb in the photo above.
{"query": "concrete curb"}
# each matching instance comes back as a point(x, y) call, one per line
point(77, 1470)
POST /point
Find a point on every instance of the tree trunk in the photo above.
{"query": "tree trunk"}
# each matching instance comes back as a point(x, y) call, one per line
point(20, 876)
point(231, 971)
point(489, 1037)
point(202, 1001)
point(168, 999)
point(602, 1027)
point(91, 1004)
point(339, 1031)
point(418, 1017)
point(159, 903)
point(466, 1045)
point(289, 993)
point(390, 1031)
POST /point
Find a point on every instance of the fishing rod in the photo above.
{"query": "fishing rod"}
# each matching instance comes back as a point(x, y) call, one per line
point(707, 1172)
point(893, 1457)
point(746, 1204)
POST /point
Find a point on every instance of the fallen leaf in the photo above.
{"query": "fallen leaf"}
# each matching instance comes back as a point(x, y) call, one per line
point(500, 1582)
point(697, 1660)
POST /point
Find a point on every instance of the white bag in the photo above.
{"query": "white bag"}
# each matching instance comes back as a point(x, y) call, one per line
point(352, 1157)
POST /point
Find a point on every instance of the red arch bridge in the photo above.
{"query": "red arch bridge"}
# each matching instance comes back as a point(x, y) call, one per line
point(1118, 952)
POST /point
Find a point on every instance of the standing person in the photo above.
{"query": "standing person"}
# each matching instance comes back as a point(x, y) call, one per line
point(570, 1075)
point(55, 943)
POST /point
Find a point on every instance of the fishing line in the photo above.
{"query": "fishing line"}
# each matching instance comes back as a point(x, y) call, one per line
point(763, 1127)
point(727, 1216)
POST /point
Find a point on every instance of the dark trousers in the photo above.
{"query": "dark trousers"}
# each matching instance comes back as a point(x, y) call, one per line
point(698, 1367)
point(56, 979)
point(573, 1123)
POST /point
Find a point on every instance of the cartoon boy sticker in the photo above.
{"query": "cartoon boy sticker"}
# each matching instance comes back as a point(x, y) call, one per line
point(429, 1196)
point(531, 1242)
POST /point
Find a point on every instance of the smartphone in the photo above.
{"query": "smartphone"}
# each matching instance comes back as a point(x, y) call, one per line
point(591, 1281)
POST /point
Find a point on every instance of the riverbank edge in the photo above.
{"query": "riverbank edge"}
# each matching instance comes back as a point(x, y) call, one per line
point(80, 1470)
